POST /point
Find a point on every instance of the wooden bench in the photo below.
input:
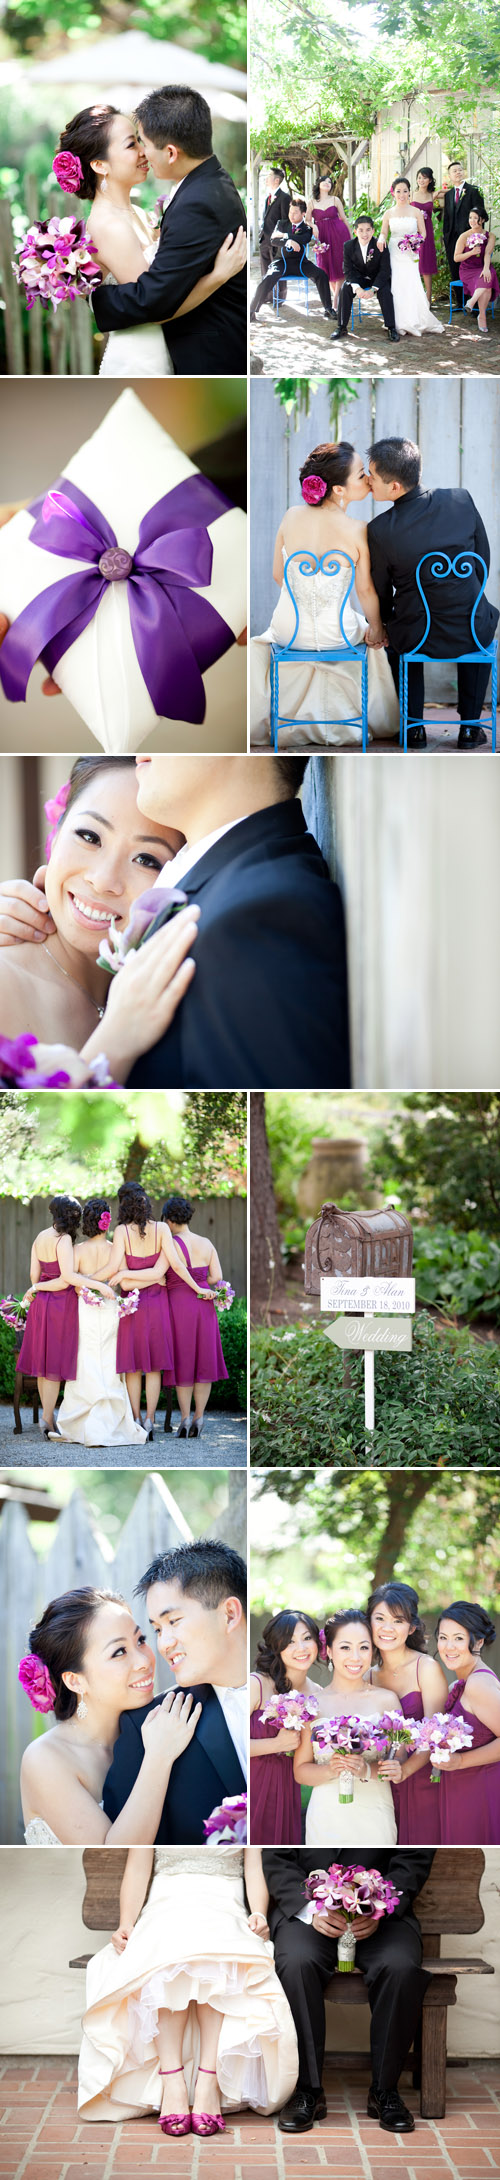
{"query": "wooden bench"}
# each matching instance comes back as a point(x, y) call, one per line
point(448, 1905)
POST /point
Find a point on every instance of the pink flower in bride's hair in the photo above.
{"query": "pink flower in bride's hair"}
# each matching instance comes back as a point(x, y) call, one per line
point(104, 1222)
point(35, 1679)
point(68, 171)
point(54, 811)
point(322, 1652)
point(313, 490)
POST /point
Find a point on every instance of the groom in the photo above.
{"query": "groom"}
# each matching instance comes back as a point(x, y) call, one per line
point(196, 1602)
point(367, 268)
point(176, 131)
point(418, 522)
point(389, 1953)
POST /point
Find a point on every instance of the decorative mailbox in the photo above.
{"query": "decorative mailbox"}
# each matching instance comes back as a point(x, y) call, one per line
point(357, 1245)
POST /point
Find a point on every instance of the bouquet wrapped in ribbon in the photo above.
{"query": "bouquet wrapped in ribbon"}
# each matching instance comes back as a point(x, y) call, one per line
point(293, 1710)
point(56, 261)
point(354, 1891)
point(384, 1733)
point(227, 1822)
point(444, 1736)
point(127, 577)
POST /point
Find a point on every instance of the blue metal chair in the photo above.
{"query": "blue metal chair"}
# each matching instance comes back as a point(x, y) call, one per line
point(459, 284)
point(442, 566)
point(373, 313)
point(295, 277)
point(309, 564)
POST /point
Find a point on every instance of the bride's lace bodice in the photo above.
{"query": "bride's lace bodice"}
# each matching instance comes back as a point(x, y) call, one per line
point(192, 1862)
point(319, 599)
point(38, 1834)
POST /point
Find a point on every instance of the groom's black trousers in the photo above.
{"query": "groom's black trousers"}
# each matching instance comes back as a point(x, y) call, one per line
point(472, 686)
point(391, 1964)
point(384, 293)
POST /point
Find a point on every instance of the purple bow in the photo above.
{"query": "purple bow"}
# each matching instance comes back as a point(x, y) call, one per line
point(177, 634)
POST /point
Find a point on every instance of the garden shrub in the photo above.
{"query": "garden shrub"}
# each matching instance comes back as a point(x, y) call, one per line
point(439, 1404)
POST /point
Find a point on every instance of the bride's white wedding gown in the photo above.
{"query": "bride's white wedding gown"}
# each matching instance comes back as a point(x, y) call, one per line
point(139, 351)
point(411, 308)
point(319, 693)
point(367, 1821)
point(96, 1409)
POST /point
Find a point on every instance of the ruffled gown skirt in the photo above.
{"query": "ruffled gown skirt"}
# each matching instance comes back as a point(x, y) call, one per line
point(319, 696)
point(96, 1409)
point(192, 1942)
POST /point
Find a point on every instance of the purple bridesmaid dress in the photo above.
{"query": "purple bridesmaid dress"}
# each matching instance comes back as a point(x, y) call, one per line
point(275, 1803)
point(472, 273)
point(427, 260)
point(332, 229)
point(469, 1801)
point(145, 1340)
point(50, 1344)
point(416, 1802)
point(196, 1340)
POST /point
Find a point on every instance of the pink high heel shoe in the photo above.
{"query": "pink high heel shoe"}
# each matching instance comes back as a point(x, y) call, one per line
point(174, 2123)
point(207, 2123)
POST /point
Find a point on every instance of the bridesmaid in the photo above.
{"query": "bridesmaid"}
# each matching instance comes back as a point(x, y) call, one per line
point(49, 1349)
point(424, 202)
point(469, 1804)
point(198, 1358)
point(289, 1646)
point(473, 253)
point(330, 220)
point(139, 1258)
point(400, 1640)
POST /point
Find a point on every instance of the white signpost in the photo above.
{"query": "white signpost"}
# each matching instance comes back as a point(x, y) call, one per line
point(369, 1300)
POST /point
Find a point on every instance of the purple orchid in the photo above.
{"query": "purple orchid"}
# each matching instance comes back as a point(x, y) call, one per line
point(227, 1821)
point(149, 911)
point(292, 1710)
point(56, 260)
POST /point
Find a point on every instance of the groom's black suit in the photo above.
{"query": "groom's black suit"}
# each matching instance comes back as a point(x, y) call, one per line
point(456, 219)
point(208, 1769)
point(267, 1007)
point(375, 272)
point(206, 207)
point(432, 522)
point(390, 1960)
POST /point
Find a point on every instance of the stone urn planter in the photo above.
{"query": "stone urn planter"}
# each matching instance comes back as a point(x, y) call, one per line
point(336, 1167)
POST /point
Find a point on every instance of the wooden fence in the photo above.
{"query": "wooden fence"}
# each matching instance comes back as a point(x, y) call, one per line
point(223, 1218)
point(68, 347)
point(78, 1555)
point(456, 425)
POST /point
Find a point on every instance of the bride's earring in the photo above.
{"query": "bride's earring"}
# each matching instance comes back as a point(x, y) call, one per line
point(81, 1708)
point(104, 182)
point(330, 1665)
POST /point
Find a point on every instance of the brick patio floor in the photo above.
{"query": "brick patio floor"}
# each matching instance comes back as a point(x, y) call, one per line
point(42, 2139)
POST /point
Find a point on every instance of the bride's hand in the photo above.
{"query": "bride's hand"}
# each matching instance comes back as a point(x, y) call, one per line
point(145, 994)
point(169, 1728)
point(258, 1923)
point(120, 1938)
point(231, 257)
point(24, 912)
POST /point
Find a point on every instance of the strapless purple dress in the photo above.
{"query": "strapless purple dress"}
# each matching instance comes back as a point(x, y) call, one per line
point(196, 1340)
point(332, 229)
point(416, 1802)
point(469, 1801)
point(275, 1804)
point(471, 270)
point(145, 1340)
point(50, 1344)
point(427, 260)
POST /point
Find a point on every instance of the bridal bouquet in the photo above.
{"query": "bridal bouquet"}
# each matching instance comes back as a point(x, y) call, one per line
point(56, 261)
point(27, 1065)
point(14, 1312)
point(227, 1822)
point(147, 915)
point(222, 1295)
point(93, 1300)
point(444, 1737)
point(384, 1733)
point(293, 1710)
point(354, 1891)
point(411, 243)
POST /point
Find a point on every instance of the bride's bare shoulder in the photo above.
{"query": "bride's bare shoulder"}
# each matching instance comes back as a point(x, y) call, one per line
point(16, 972)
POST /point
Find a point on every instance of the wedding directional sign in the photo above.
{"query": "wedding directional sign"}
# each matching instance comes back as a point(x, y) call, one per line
point(371, 1333)
point(373, 1329)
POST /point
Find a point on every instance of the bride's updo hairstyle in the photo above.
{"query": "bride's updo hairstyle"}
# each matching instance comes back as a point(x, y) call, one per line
point(331, 463)
point(178, 1208)
point(60, 1639)
point(477, 1623)
point(134, 1206)
point(87, 137)
point(66, 1215)
point(400, 178)
point(336, 1620)
point(403, 1603)
point(96, 1216)
point(276, 1635)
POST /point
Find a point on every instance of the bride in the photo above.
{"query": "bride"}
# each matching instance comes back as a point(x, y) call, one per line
point(96, 1409)
point(403, 230)
point(369, 1819)
point(87, 1662)
point(104, 854)
point(99, 157)
point(331, 478)
point(184, 2007)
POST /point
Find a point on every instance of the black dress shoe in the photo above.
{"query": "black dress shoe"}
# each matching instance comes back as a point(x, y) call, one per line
point(471, 737)
point(417, 738)
point(330, 313)
point(302, 2109)
point(340, 333)
point(393, 333)
point(387, 2106)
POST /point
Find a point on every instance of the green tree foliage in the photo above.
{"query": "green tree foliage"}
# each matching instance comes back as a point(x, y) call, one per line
point(444, 1153)
point(217, 31)
point(345, 1534)
point(96, 1140)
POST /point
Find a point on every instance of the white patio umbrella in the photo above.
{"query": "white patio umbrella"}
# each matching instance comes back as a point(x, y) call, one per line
point(136, 60)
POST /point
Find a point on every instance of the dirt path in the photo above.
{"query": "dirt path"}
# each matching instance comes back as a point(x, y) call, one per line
point(299, 343)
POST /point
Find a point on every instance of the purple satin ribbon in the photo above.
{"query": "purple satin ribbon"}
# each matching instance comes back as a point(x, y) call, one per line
point(177, 634)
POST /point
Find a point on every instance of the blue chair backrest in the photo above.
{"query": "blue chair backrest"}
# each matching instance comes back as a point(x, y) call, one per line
point(310, 564)
point(461, 567)
point(286, 260)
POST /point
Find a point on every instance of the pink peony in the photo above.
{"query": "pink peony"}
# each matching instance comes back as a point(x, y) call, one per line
point(313, 490)
point(54, 811)
point(68, 171)
point(104, 1222)
point(35, 1679)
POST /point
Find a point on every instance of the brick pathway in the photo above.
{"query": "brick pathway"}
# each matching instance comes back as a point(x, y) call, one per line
point(291, 343)
point(42, 2139)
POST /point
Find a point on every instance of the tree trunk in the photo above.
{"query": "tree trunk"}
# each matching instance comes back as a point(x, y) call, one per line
point(135, 1160)
point(267, 1284)
point(405, 1495)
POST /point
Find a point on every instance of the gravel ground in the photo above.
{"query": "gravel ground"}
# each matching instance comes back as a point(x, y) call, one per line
point(223, 1444)
point(294, 342)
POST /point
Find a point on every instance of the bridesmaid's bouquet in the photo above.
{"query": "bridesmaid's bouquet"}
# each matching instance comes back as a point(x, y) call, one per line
point(14, 1312)
point(93, 1300)
point(354, 1891)
point(227, 1822)
point(57, 261)
point(444, 1737)
point(293, 1710)
point(128, 1303)
point(222, 1295)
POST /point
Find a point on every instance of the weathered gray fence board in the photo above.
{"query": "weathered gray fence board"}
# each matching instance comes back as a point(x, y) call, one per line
point(268, 491)
point(481, 462)
point(222, 1218)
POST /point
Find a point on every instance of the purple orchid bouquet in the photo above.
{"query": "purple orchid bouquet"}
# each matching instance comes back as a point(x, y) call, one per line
point(56, 262)
point(410, 243)
point(227, 1822)
point(147, 915)
point(94, 1301)
point(222, 1295)
point(444, 1736)
point(128, 1303)
point(352, 1891)
point(293, 1710)
point(14, 1311)
point(27, 1065)
point(390, 1734)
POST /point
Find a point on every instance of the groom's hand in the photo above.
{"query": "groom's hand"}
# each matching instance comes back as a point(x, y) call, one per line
point(331, 1924)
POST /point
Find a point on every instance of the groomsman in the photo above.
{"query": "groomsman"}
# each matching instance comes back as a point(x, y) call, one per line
point(460, 198)
point(290, 245)
point(275, 214)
